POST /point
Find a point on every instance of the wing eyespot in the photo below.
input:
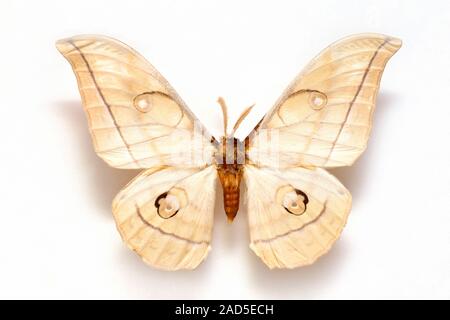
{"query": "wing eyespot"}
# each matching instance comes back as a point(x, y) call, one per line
point(168, 204)
point(317, 100)
point(143, 102)
point(291, 110)
point(294, 201)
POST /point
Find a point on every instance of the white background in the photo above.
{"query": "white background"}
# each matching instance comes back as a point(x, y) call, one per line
point(57, 234)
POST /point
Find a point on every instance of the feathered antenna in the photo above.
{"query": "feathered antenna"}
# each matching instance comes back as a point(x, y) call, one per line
point(223, 105)
point(241, 118)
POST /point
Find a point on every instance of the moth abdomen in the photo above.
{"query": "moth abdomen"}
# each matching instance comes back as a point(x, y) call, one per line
point(230, 179)
point(231, 202)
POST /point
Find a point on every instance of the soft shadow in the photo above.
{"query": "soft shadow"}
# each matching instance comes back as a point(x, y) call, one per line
point(132, 261)
point(354, 178)
point(295, 283)
point(104, 181)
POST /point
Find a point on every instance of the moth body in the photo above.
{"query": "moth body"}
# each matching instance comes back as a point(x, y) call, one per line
point(230, 164)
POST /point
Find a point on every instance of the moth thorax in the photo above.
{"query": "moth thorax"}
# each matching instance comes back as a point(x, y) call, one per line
point(231, 151)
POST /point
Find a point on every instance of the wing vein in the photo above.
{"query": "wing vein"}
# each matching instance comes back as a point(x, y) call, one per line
point(355, 97)
point(139, 213)
point(104, 101)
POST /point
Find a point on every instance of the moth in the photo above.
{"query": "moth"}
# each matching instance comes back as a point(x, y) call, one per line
point(296, 209)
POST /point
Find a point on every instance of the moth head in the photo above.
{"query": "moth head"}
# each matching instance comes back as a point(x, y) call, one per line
point(294, 201)
point(168, 204)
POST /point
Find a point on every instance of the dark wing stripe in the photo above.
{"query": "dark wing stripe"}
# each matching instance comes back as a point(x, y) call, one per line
point(167, 233)
point(366, 72)
point(294, 230)
point(108, 107)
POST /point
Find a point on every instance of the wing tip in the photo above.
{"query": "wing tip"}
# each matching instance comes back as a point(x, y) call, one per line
point(395, 42)
point(66, 45)
point(63, 45)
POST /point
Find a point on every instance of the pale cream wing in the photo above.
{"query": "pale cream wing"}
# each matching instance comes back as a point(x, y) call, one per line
point(295, 215)
point(325, 116)
point(166, 215)
point(135, 117)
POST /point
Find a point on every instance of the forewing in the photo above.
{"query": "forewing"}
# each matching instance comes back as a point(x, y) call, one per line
point(166, 215)
point(295, 215)
point(135, 118)
point(325, 116)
